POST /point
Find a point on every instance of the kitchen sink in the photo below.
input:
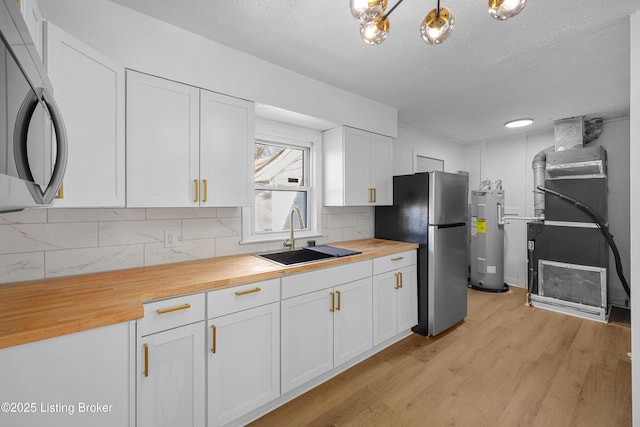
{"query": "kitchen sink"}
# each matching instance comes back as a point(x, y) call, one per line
point(298, 256)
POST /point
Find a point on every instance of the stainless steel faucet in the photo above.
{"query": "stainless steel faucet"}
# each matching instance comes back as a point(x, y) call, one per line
point(291, 243)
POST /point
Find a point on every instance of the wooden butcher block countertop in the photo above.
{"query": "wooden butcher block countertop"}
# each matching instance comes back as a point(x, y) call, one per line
point(49, 308)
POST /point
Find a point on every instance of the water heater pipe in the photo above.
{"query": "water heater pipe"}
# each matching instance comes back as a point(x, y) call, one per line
point(539, 165)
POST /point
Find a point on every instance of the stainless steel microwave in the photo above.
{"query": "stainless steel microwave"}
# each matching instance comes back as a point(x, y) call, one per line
point(33, 144)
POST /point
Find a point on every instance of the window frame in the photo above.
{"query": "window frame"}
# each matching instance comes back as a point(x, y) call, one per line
point(292, 136)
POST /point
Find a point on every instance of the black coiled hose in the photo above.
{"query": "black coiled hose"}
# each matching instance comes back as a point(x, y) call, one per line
point(603, 228)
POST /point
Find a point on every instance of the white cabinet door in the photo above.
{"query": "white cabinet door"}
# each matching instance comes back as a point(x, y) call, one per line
point(243, 362)
point(162, 142)
point(395, 303)
point(307, 338)
point(171, 378)
point(357, 164)
point(89, 88)
point(358, 168)
point(382, 169)
point(352, 326)
point(226, 143)
point(385, 317)
point(63, 378)
point(407, 299)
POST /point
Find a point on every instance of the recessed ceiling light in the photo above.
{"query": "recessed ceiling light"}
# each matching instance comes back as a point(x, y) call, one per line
point(518, 123)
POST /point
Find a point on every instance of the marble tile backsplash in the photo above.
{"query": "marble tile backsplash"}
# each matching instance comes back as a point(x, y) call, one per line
point(45, 243)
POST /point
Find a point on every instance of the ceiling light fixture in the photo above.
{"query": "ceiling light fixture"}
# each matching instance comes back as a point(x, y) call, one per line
point(436, 26)
point(518, 123)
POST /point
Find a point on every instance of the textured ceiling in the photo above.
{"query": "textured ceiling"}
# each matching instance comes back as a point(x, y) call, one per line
point(556, 59)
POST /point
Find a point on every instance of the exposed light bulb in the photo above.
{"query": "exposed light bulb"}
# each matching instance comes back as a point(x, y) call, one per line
point(374, 32)
point(505, 9)
point(437, 27)
point(367, 10)
point(518, 123)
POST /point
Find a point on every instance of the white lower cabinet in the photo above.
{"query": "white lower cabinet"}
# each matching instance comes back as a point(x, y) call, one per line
point(171, 364)
point(243, 350)
point(324, 328)
point(76, 380)
point(395, 295)
point(307, 338)
point(262, 341)
point(352, 320)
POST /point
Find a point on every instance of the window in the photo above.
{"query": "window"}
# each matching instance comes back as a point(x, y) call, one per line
point(280, 184)
point(285, 176)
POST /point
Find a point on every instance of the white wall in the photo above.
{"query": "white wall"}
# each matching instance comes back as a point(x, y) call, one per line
point(412, 142)
point(634, 193)
point(509, 159)
point(149, 45)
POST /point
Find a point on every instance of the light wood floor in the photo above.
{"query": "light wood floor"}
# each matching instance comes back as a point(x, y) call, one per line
point(507, 364)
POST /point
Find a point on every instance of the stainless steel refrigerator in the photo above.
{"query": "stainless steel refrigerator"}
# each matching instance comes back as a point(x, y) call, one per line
point(431, 209)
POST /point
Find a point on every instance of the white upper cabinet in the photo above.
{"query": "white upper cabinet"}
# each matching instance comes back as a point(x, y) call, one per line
point(186, 146)
point(357, 168)
point(226, 143)
point(89, 88)
point(162, 142)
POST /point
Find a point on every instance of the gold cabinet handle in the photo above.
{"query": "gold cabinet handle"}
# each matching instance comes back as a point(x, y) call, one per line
point(400, 274)
point(172, 309)
point(195, 181)
point(370, 195)
point(250, 291)
point(374, 195)
point(333, 302)
point(397, 258)
point(204, 187)
point(213, 338)
point(338, 307)
point(60, 192)
point(397, 281)
point(146, 360)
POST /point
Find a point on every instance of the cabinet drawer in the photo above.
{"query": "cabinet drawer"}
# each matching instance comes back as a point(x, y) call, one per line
point(394, 261)
point(238, 298)
point(304, 283)
point(171, 313)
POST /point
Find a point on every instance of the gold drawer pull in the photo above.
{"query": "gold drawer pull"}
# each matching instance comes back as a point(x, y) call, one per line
point(214, 335)
point(397, 258)
point(146, 360)
point(195, 181)
point(250, 291)
point(172, 309)
point(338, 307)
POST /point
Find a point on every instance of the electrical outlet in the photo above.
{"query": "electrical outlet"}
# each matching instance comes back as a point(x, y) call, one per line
point(170, 238)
